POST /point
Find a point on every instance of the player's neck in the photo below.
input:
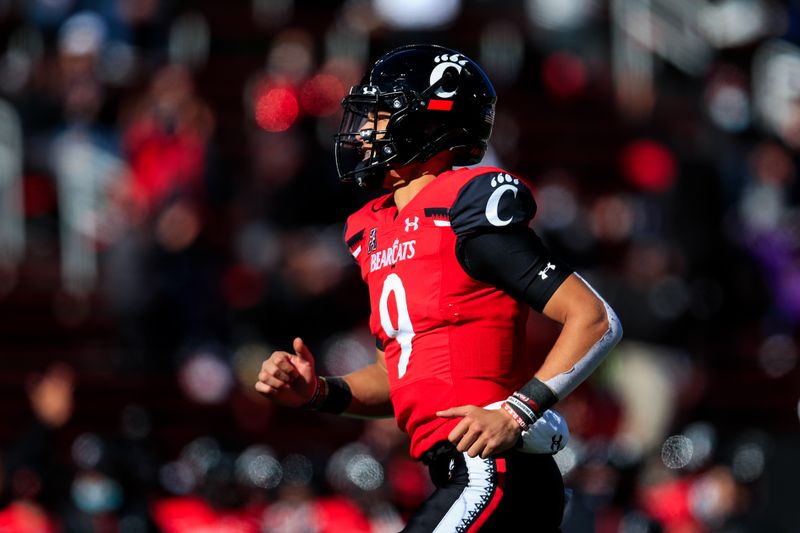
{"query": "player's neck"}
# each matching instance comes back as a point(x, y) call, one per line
point(406, 182)
point(406, 191)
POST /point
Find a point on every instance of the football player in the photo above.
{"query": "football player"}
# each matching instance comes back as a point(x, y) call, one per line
point(453, 269)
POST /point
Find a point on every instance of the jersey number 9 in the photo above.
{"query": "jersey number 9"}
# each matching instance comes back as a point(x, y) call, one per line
point(404, 331)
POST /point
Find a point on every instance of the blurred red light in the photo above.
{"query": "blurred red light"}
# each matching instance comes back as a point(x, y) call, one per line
point(276, 108)
point(242, 287)
point(564, 74)
point(649, 165)
point(321, 95)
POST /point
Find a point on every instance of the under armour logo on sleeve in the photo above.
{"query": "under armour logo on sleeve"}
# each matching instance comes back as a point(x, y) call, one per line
point(412, 224)
point(543, 272)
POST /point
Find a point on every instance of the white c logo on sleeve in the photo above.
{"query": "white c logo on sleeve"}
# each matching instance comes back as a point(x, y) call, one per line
point(493, 204)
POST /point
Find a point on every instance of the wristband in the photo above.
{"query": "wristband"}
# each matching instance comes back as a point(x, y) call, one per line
point(517, 418)
point(522, 409)
point(320, 393)
point(537, 396)
point(332, 395)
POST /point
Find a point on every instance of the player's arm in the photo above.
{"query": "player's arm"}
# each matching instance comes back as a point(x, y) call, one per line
point(291, 380)
point(517, 262)
point(494, 245)
point(363, 393)
point(490, 218)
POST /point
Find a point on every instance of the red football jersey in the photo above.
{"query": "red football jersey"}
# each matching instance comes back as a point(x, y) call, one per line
point(449, 340)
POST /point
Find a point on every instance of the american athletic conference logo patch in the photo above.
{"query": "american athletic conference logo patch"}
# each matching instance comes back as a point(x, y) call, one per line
point(373, 240)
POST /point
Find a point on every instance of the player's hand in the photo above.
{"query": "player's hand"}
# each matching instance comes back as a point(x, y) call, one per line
point(481, 432)
point(288, 378)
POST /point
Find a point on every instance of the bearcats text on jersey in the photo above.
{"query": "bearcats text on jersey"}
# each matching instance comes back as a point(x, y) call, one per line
point(398, 251)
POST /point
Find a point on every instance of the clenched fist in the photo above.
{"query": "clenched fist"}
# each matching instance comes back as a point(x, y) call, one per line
point(288, 379)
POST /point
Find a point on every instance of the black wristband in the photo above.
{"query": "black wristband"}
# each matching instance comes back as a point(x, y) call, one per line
point(338, 398)
point(537, 396)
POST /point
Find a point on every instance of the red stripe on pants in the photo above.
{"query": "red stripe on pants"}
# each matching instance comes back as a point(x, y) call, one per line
point(500, 469)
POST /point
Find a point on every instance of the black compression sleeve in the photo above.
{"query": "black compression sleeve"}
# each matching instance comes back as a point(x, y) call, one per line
point(515, 261)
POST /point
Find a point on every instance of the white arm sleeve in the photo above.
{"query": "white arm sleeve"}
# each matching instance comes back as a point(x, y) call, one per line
point(564, 383)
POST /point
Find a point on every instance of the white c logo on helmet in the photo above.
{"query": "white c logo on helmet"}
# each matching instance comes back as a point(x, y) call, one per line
point(493, 204)
point(446, 61)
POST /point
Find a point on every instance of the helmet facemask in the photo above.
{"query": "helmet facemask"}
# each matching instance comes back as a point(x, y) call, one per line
point(364, 145)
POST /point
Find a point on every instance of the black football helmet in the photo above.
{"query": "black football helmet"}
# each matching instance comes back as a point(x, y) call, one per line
point(435, 99)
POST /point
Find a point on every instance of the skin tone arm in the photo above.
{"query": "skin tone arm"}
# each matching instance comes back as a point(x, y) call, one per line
point(584, 320)
point(289, 379)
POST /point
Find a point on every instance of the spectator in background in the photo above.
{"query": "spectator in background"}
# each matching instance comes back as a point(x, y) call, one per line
point(166, 137)
point(12, 210)
point(84, 155)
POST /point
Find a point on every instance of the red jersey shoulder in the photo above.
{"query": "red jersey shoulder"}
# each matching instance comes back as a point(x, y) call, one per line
point(449, 183)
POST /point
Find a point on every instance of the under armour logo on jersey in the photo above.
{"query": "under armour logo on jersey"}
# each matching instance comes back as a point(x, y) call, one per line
point(543, 272)
point(502, 183)
point(373, 240)
point(556, 444)
point(412, 224)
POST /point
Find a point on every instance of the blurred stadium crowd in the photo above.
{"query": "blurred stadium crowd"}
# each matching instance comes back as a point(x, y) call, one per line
point(170, 214)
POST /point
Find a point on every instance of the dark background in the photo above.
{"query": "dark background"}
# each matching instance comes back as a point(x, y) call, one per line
point(170, 214)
